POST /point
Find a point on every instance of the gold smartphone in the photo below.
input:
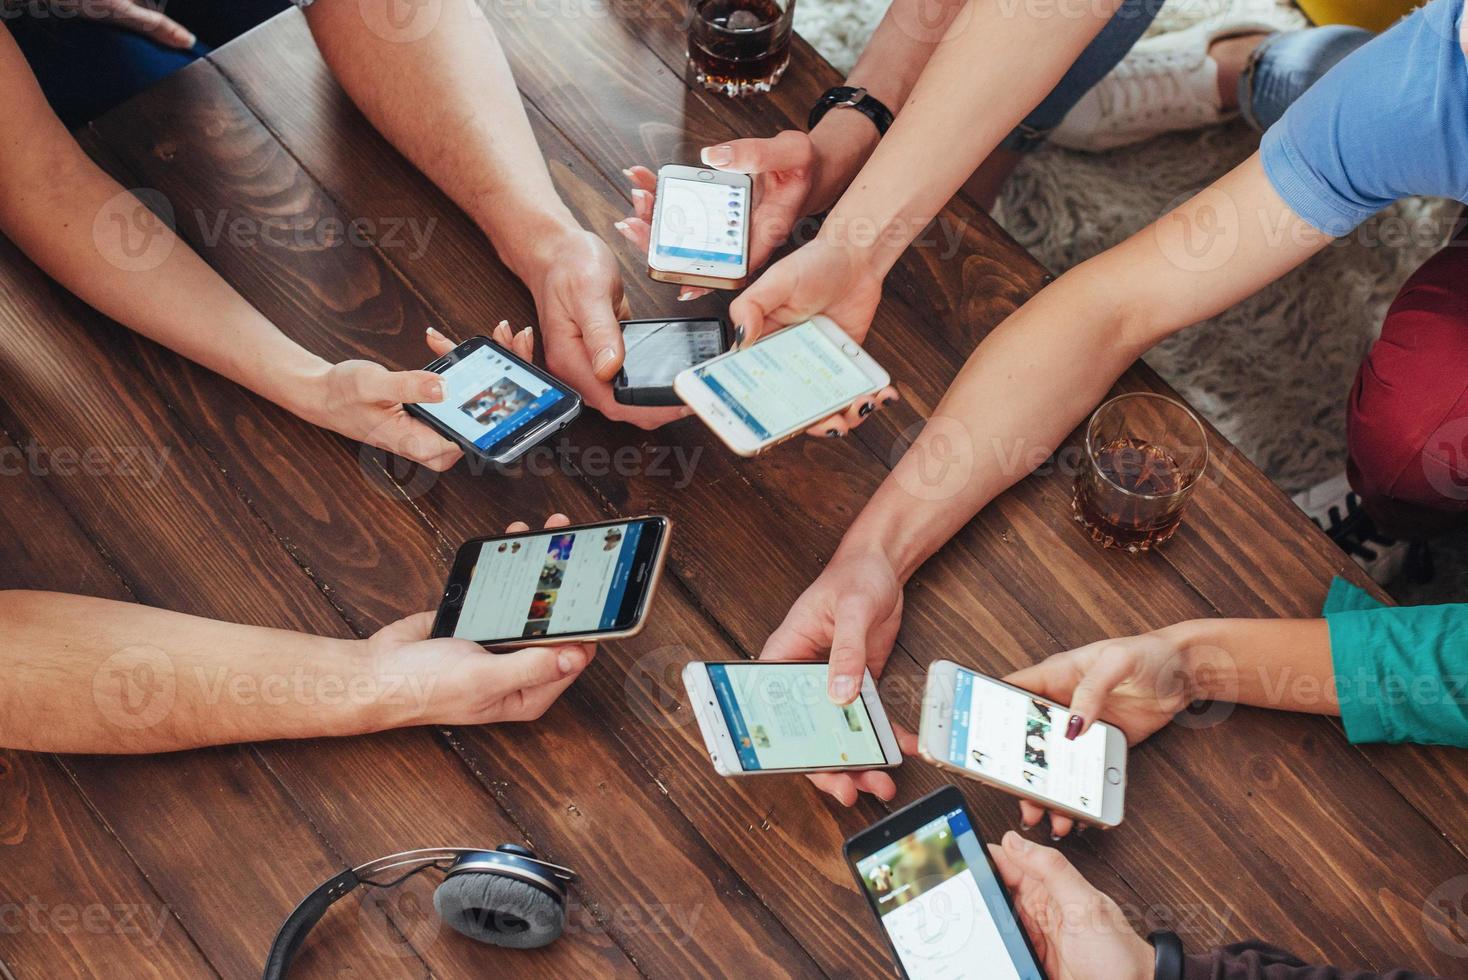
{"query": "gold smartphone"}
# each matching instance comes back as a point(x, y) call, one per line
point(700, 228)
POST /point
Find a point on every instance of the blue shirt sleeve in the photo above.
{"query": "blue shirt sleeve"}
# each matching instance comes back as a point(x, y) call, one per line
point(1390, 121)
point(1401, 672)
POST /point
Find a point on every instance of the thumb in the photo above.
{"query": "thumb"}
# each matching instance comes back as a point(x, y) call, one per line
point(409, 630)
point(534, 666)
point(602, 335)
point(788, 150)
point(404, 387)
point(751, 309)
point(854, 617)
point(1066, 886)
point(151, 23)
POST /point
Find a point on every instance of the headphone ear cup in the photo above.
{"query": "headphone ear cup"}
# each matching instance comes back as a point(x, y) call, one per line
point(499, 910)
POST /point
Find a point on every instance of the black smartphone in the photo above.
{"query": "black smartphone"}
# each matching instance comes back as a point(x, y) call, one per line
point(567, 584)
point(941, 903)
point(496, 405)
point(658, 349)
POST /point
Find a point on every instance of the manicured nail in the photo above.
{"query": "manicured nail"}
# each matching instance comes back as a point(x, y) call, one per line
point(867, 409)
point(620, 226)
point(739, 335)
point(627, 172)
point(716, 156)
point(1026, 827)
point(1054, 838)
point(568, 662)
point(603, 357)
point(685, 295)
point(435, 391)
point(434, 333)
point(832, 433)
point(638, 194)
point(890, 399)
point(1074, 727)
point(843, 689)
point(524, 333)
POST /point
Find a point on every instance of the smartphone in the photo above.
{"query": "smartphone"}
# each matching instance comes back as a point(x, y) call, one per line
point(567, 584)
point(1009, 738)
point(766, 716)
point(941, 903)
point(777, 388)
point(659, 350)
point(700, 228)
point(496, 405)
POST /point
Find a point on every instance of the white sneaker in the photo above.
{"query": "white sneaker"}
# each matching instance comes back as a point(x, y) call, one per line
point(1336, 510)
point(1166, 83)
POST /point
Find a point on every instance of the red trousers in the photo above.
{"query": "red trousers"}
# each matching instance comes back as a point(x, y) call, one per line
point(1408, 418)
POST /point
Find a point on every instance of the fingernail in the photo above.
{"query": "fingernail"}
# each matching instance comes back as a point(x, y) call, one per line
point(620, 226)
point(627, 172)
point(568, 662)
point(524, 333)
point(603, 357)
point(434, 332)
point(843, 689)
point(190, 40)
point(685, 295)
point(716, 156)
point(739, 335)
point(867, 409)
point(638, 194)
point(1055, 838)
point(1073, 728)
point(889, 399)
point(1026, 827)
point(435, 391)
point(832, 433)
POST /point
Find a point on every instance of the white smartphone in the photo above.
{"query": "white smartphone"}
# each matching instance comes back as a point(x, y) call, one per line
point(777, 388)
point(700, 227)
point(765, 716)
point(1014, 740)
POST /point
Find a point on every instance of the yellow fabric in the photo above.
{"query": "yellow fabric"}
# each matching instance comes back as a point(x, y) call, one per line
point(1374, 15)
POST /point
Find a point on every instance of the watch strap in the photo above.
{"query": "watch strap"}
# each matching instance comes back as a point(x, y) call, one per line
point(1169, 955)
point(847, 97)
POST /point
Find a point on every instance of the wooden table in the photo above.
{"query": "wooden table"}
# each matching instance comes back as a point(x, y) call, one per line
point(183, 865)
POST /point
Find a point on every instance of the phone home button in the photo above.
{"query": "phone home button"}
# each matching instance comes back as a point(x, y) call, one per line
point(849, 349)
point(454, 593)
point(1113, 776)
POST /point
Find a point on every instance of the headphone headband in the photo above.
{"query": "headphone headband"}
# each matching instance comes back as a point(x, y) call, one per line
point(509, 860)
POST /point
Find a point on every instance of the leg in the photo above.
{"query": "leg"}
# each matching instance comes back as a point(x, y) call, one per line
point(1407, 422)
point(1280, 68)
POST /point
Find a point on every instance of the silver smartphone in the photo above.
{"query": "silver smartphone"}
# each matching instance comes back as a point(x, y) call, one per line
point(1009, 738)
point(775, 389)
point(766, 716)
point(700, 227)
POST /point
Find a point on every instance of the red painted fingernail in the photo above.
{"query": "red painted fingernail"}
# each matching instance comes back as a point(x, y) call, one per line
point(1074, 728)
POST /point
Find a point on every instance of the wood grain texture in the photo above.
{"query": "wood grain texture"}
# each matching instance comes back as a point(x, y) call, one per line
point(1271, 824)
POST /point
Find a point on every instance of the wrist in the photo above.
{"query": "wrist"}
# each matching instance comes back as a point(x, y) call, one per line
point(299, 386)
point(1210, 672)
point(842, 141)
point(530, 242)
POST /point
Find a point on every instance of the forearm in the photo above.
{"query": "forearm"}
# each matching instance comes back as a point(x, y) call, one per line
point(995, 64)
point(81, 674)
point(1283, 664)
point(888, 68)
point(448, 102)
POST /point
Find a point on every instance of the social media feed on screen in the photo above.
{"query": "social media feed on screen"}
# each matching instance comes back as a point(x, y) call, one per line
point(701, 221)
point(788, 381)
point(1009, 736)
point(490, 399)
point(779, 717)
point(571, 582)
point(944, 909)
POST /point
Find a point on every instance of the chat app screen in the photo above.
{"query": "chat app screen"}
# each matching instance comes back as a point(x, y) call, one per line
point(488, 398)
point(780, 718)
point(944, 910)
point(791, 378)
point(1010, 736)
point(553, 583)
point(702, 220)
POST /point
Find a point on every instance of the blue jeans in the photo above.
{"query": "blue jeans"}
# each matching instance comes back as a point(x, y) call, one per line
point(1286, 64)
point(86, 67)
point(1104, 53)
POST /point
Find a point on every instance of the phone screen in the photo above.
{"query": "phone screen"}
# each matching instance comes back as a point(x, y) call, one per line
point(701, 220)
point(943, 907)
point(489, 398)
point(560, 582)
point(780, 717)
point(658, 350)
point(789, 379)
point(1019, 740)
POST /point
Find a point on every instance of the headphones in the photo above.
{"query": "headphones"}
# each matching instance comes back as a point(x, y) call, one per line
point(504, 897)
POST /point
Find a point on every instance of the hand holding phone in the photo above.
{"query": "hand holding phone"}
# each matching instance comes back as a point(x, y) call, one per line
point(700, 227)
point(658, 350)
point(1024, 744)
point(759, 396)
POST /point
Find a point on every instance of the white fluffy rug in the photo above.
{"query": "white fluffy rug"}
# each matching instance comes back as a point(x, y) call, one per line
point(1273, 372)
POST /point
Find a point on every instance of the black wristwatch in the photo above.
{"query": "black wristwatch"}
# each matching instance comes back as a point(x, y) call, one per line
point(846, 97)
point(1169, 950)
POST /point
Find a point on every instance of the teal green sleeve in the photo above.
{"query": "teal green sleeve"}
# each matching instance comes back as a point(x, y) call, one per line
point(1401, 672)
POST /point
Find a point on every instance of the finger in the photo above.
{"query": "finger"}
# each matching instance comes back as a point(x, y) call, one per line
point(518, 527)
point(1009, 871)
point(854, 618)
point(438, 343)
point(445, 460)
point(787, 150)
point(642, 177)
point(860, 410)
point(642, 204)
point(838, 784)
point(534, 666)
point(878, 784)
point(1030, 815)
point(557, 520)
point(1115, 664)
point(834, 427)
point(907, 742)
point(151, 23)
point(523, 344)
point(502, 334)
point(753, 310)
point(602, 335)
point(530, 703)
point(410, 629)
point(691, 293)
point(1060, 825)
point(635, 230)
point(1050, 868)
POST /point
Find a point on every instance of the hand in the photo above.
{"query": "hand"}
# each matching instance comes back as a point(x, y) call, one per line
point(784, 168)
point(852, 611)
point(128, 15)
point(461, 682)
point(1137, 683)
point(578, 295)
point(1078, 932)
